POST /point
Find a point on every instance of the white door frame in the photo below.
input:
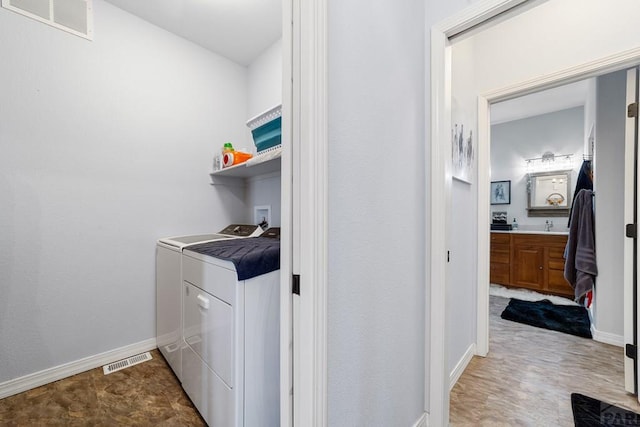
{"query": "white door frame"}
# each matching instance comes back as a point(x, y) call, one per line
point(629, 165)
point(288, 248)
point(629, 208)
point(478, 13)
point(308, 160)
point(584, 71)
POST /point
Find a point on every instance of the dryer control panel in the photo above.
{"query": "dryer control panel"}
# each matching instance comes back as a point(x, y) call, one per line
point(242, 230)
point(273, 233)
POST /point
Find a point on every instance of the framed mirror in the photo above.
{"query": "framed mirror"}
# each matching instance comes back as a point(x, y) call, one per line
point(548, 193)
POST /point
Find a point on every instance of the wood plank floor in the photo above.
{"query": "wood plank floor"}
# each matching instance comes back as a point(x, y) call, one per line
point(147, 394)
point(529, 375)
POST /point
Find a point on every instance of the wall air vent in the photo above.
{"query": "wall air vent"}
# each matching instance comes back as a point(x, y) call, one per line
point(73, 16)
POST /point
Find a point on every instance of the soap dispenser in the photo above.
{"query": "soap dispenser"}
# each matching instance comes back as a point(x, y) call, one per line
point(514, 224)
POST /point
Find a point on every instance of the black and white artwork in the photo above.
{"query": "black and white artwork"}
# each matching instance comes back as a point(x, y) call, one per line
point(499, 217)
point(501, 192)
point(462, 153)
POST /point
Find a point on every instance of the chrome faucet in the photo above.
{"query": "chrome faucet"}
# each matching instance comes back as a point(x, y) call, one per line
point(548, 225)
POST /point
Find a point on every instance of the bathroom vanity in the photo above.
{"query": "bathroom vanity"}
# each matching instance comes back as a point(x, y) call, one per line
point(531, 260)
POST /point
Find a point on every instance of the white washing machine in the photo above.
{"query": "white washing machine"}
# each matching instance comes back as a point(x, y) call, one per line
point(231, 328)
point(169, 285)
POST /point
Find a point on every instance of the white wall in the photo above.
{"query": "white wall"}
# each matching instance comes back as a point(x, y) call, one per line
point(105, 146)
point(609, 187)
point(462, 267)
point(265, 81)
point(560, 132)
point(463, 277)
point(376, 323)
point(505, 52)
point(264, 190)
point(590, 116)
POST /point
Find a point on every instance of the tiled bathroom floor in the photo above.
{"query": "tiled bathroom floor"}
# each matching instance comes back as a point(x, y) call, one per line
point(147, 394)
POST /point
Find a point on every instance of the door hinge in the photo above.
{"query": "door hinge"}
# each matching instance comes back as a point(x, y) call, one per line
point(631, 231)
point(631, 351)
point(296, 284)
point(632, 110)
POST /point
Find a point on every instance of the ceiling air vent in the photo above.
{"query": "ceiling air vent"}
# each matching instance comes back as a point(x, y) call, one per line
point(73, 16)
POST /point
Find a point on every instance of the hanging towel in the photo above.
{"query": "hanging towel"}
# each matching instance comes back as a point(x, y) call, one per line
point(580, 267)
point(584, 182)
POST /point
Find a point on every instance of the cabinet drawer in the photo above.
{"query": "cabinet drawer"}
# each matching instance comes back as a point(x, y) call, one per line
point(558, 284)
point(500, 238)
point(556, 253)
point(556, 264)
point(556, 258)
point(500, 253)
point(499, 274)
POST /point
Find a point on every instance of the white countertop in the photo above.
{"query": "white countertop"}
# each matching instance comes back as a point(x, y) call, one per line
point(556, 233)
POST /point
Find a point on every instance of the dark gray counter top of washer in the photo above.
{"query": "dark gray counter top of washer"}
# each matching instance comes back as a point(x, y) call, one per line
point(252, 257)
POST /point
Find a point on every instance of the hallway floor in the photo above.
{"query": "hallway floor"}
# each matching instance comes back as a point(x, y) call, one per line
point(529, 375)
point(141, 395)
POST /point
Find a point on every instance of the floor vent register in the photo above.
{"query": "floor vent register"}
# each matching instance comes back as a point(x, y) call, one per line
point(125, 363)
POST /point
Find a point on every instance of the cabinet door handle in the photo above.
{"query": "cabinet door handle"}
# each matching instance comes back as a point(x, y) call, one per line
point(540, 268)
point(203, 302)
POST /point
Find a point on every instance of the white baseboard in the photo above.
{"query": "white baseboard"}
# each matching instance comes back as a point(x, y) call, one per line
point(37, 379)
point(606, 337)
point(423, 421)
point(461, 365)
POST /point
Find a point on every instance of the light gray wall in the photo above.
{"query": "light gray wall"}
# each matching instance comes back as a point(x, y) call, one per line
point(376, 319)
point(462, 269)
point(265, 81)
point(609, 187)
point(560, 132)
point(264, 191)
point(463, 278)
point(264, 90)
point(590, 115)
point(105, 146)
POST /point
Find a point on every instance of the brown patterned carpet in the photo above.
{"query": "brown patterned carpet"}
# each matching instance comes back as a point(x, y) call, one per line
point(142, 395)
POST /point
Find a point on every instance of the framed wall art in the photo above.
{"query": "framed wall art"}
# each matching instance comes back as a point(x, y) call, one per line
point(500, 192)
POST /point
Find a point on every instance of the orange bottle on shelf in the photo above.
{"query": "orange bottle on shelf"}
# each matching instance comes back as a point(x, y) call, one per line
point(233, 158)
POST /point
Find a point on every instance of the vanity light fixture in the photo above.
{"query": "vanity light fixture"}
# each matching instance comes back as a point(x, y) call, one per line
point(550, 162)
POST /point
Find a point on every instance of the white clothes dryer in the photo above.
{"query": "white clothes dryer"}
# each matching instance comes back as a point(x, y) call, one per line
point(231, 328)
point(169, 285)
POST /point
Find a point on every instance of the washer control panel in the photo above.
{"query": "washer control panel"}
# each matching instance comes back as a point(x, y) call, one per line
point(242, 230)
point(273, 233)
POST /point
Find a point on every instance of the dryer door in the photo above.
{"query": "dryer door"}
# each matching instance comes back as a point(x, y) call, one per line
point(208, 330)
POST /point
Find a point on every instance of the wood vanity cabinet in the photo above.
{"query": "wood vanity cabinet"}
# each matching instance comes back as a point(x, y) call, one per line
point(535, 262)
point(500, 270)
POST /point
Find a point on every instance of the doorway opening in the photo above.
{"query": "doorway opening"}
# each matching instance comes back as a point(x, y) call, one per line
point(514, 68)
point(584, 120)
